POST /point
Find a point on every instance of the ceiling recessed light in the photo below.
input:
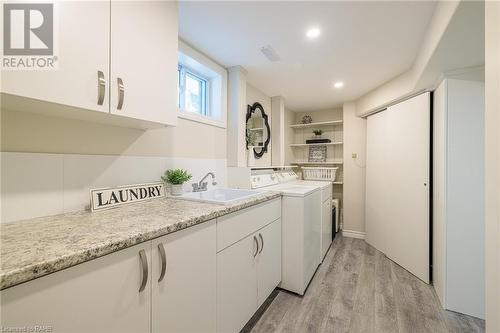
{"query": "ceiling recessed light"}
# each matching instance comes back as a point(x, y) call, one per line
point(338, 84)
point(313, 33)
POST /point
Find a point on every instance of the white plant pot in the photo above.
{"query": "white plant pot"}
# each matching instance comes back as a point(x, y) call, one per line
point(176, 189)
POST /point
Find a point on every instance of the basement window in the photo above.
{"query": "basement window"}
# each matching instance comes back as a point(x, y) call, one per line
point(202, 88)
point(192, 89)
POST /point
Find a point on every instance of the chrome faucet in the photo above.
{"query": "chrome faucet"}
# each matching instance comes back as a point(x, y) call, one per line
point(202, 185)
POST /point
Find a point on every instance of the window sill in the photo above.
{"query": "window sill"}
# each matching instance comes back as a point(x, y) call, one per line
point(201, 119)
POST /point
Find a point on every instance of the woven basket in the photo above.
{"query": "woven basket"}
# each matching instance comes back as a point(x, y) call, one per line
point(319, 173)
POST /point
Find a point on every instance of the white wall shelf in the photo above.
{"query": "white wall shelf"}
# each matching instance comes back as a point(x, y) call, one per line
point(272, 167)
point(318, 163)
point(319, 124)
point(315, 144)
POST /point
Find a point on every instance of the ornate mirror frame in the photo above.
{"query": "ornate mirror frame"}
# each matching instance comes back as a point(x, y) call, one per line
point(250, 110)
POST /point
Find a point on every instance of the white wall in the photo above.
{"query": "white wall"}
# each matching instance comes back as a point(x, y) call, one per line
point(465, 197)
point(439, 192)
point(454, 24)
point(492, 177)
point(354, 169)
point(41, 184)
point(34, 133)
point(278, 131)
point(458, 198)
point(289, 135)
point(48, 164)
point(237, 108)
point(458, 195)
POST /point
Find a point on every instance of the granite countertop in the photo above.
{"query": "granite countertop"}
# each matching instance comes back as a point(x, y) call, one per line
point(40, 246)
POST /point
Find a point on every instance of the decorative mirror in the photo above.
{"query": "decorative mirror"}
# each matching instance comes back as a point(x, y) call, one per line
point(258, 131)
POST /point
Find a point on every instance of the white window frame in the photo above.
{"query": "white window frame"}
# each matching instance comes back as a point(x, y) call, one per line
point(215, 77)
point(205, 104)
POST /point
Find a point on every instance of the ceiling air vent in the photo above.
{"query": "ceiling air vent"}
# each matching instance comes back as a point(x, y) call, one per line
point(270, 53)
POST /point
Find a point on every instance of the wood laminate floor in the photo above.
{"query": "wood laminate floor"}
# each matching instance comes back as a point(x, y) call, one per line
point(357, 289)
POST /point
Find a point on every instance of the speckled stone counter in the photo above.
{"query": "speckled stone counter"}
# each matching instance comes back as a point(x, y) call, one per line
point(36, 247)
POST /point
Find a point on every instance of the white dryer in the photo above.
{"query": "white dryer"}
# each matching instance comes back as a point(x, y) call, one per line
point(326, 214)
point(326, 230)
point(301, 230)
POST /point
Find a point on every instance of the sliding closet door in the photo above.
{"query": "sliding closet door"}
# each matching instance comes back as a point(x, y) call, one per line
point(377, 174)
point(398, 181)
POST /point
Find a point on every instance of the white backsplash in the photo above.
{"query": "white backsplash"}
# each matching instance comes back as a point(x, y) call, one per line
point(35, 184)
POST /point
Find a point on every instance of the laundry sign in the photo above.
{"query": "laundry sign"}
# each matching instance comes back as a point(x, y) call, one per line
point(105, 198)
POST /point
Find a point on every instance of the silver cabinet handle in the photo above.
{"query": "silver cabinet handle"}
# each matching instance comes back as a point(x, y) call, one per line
point(121, 93)
point(163, 257)
point(101, 87)
point(144, 264)
point(262, 240)
point(257, 243)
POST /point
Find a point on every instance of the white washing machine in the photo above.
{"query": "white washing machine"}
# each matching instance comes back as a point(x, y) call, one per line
point(326, 232)
point(301, 229)
point(326, 214)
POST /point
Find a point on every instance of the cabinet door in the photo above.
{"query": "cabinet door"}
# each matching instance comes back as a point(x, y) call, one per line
point(101, 295)
point(144, 57)
point(326, 228)
point(82, 39)
point(236, 285)
point(184, 299)
point(268, 260)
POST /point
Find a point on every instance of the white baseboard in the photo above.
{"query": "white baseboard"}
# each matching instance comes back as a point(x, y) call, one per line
point(353, 234)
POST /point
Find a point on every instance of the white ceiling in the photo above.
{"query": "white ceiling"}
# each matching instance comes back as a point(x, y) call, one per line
point(363, 44)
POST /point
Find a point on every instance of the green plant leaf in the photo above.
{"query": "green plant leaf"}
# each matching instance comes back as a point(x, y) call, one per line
point(176, 176)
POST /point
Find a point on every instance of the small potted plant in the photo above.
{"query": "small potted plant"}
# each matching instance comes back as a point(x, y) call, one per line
point(317, 133)
point(176, 178)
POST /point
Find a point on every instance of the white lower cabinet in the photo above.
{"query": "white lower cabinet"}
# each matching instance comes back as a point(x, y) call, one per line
point(101, 295)
point(183, 298)
point(236, 285)
point(247, 273)
point(269, 261)
point(175, 283)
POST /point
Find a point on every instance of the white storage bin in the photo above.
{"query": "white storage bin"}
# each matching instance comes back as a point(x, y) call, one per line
point(319, 173)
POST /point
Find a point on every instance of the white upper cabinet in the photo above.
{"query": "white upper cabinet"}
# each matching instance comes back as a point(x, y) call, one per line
point(118, 57)
point(144, 40)
point(83, 43)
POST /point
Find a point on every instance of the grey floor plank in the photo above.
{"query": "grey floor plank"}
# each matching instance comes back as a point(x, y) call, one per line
point(407, 309)
point(271, 319)
point(314, 316)
point(385, 304)
point(358, 289)
point(339, 317)
point(363, 316)
point(460, 323)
